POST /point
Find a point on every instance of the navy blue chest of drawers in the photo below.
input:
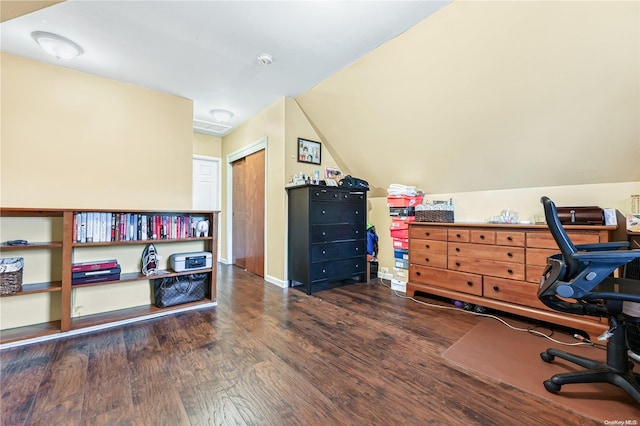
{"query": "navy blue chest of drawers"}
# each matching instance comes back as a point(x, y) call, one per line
point(327, 235)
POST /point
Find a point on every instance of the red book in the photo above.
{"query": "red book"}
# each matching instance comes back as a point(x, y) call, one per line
point(94, 266)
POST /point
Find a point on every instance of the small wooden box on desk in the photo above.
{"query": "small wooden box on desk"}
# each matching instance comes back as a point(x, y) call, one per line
point(496, 266)
point(45, 306)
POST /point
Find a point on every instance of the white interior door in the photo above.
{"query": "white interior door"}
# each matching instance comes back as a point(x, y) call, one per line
point(206, 186)
point(206, 183)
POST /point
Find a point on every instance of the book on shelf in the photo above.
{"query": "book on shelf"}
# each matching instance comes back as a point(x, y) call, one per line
point(96, 273)
point(95, 279)
point(99, 227)
point(94, 265)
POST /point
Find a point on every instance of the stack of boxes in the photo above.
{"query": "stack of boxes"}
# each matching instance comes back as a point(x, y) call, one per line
point(402, 211)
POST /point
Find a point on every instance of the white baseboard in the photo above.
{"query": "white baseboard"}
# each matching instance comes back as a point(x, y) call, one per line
point(276, 281)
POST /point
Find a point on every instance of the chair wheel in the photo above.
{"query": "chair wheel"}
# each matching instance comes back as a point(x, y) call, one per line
point(547, 357)
point(551, 387)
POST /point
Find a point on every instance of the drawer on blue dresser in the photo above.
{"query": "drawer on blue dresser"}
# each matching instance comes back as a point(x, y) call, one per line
point(338, 269)
point(342, 232)
point(335, 251)
point(325, 212)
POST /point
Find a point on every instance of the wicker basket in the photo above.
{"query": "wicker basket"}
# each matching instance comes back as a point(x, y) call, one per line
point(434, 216)
point(11, 275)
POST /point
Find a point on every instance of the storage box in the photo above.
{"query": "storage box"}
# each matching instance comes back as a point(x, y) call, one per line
point(401, 274)
point(402, 219)
point(402, 211)
point(399, 233)
point(585, 215)
point(401, 254)
point(400, 243)
point(398, 285)
point(11, 274)
point(181, 262)
point(403, 200)
point(402, 263)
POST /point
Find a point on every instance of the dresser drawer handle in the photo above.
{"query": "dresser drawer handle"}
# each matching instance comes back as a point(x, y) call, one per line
point(496, 288)
point(427, 246)
point(509, 238)
point(482, 237)
point(427, 233)
point(510, 254)
point(324, 271)
point(357, 266)
point(324, 212)
point(345, 196)
point(458, 235)
point(470, 283)
point(357, 232)
point(357, 212)
point(510, 271)
point(357, 248)
point(426, 259)
point(458, 249)
point(418, 273)
point(324, 252)
point(324, 234)
point(457, 263)
point(335, 195)
point(317, 194)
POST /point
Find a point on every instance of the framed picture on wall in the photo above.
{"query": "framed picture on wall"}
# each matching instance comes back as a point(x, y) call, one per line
point(308, 151)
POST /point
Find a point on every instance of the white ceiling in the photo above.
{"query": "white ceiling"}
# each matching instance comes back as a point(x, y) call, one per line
point(206, 50)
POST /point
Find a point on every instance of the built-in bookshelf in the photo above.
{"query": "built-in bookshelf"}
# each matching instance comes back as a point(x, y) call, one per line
point(57, 238)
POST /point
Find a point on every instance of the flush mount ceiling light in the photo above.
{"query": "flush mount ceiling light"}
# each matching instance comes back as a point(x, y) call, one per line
point(264, 59)
point(221, 115)
point(58, 46)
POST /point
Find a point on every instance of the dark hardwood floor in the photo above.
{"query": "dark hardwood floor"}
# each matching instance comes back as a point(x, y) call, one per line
point(352, 355)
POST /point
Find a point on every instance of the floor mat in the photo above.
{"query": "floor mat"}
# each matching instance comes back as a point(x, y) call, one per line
point(513, 357)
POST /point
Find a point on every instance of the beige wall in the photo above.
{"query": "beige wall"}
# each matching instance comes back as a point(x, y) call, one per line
point(282, 124)
point(71, 139)
point(490, 95)
point(207, 145)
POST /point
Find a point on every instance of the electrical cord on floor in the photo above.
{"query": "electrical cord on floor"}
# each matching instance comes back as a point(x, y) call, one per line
point(582, 341)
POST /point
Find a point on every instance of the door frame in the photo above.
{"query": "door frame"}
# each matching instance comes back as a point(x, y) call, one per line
point(256, 146)
point(219, 178)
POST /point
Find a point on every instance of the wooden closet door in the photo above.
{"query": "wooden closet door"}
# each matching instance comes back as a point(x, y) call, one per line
point(248, 212)
point(239, 213)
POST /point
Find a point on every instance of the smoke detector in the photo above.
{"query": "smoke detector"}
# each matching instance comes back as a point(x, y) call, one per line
point(264, 59)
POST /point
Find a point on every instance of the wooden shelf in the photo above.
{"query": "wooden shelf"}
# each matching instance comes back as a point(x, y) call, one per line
point(34, 288)
point(65, 229)
point(30, 246)
point(138, 242)
point(29, 332)
point(129, 313)
point(135, 276)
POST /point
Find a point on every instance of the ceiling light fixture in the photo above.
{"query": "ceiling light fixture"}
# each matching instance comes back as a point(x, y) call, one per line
point(221, 115)
point(264, 59)
point(58, 46)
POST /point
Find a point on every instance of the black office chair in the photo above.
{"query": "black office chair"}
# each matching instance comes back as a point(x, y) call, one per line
point(583, 274)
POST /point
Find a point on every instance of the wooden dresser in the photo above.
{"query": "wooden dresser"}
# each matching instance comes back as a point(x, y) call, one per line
point(327, 234)
point(496, 266)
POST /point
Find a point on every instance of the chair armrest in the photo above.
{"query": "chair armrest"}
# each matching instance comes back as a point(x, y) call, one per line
point(603, 246)
point(618, 256)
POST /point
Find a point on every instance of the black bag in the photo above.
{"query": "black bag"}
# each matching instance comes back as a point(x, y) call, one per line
point(350, 182)
point(171, 291)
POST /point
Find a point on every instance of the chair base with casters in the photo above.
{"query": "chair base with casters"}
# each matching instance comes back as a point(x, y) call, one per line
point(616, 370)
